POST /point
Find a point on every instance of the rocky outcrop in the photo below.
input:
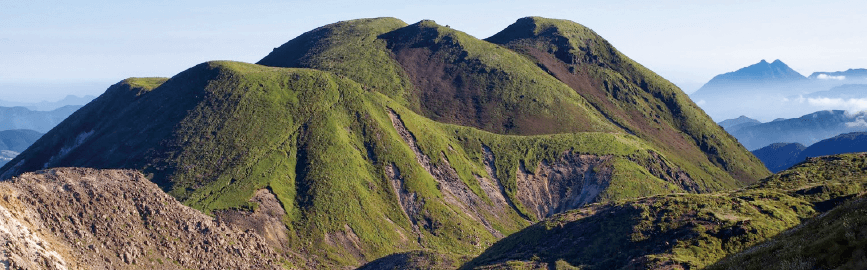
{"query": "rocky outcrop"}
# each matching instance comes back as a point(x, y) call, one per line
point(74, 218)
point(568, 183)
point(455, 191)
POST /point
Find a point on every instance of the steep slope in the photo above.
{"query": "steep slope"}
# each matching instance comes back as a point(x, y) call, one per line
point(633, 97)
point(835, 240)
point(806, 130)
point(780, 156)
point(41, 121)
point(359, 175)
point(72, 218)
point(370, 155)
point(682, 231)
point(448, 76)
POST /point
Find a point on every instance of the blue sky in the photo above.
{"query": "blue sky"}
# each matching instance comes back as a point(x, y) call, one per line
point(67, 47)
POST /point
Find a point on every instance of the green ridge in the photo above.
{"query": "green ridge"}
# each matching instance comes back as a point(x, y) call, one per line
point(697, 230)
point(312, 124)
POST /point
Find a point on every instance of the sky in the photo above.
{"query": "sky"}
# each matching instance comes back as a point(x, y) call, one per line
point(49, 49)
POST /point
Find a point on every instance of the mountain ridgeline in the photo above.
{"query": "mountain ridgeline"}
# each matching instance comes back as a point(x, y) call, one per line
point(378, 137)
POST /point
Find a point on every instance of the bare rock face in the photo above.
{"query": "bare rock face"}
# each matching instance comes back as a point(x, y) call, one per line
point(571, 182)
point(74, 218)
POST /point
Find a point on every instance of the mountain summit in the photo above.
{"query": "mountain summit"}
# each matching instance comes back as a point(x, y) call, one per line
point(379, 137)
point(761, 73)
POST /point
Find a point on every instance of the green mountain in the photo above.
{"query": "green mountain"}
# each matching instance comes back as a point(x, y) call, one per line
point(751, 228)
point(379, 138)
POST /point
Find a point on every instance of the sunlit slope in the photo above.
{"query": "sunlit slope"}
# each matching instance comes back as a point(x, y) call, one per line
point(752, 228)
point(545, 76)
point(632, 96)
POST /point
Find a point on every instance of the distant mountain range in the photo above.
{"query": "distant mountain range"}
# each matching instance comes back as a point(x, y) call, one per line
point(846, 91)
point(731, 125)
point(13, 142)
point(849, 74)
point(806, 130)
point(781, 156)
point(41, 121)
point(773, 90)
point(49, 105)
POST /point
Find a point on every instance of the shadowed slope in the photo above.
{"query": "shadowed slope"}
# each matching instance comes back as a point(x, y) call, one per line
point(631, 96)
point(371, 153)
point(688, 231)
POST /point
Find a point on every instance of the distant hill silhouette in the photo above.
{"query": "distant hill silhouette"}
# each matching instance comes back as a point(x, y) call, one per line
point(859, 73)
point(731, 125)
point(17, 140)
point(807, 129)
point(42, 121)
point(13, 142)
point(49, 105)
point(845, 91)
point(781, 156)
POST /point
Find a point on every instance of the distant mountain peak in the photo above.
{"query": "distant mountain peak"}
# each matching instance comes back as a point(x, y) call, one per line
point(758, 74)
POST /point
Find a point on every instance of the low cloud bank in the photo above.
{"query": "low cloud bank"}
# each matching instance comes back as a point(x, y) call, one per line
point(829, 77)
point(851, 104)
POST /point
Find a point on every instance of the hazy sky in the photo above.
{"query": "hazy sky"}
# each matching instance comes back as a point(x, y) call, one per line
point(69, 45)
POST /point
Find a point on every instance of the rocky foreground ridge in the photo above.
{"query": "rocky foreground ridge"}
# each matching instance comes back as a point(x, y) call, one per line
point(74, 218)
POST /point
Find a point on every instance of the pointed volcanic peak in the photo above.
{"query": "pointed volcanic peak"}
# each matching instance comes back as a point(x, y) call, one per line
point(756, 74)
point(628, 94)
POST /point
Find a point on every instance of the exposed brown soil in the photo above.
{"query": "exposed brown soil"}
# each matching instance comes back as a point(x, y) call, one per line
point(455, 191)
point(266, 220)
point(74, 218)
point(571, 182)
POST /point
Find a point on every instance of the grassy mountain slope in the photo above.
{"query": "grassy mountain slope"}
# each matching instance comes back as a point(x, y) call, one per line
point(371, 154)
point(359, 175)
point(630, 95)
point(695, 230)
point(834, 240)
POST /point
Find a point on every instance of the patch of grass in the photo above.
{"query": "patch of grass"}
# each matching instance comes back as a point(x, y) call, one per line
point(697, 230)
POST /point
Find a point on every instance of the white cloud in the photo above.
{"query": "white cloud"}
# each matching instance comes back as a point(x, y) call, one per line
point(857, 123)
point(852, 104)
point(700, 102)
point(829, 77)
